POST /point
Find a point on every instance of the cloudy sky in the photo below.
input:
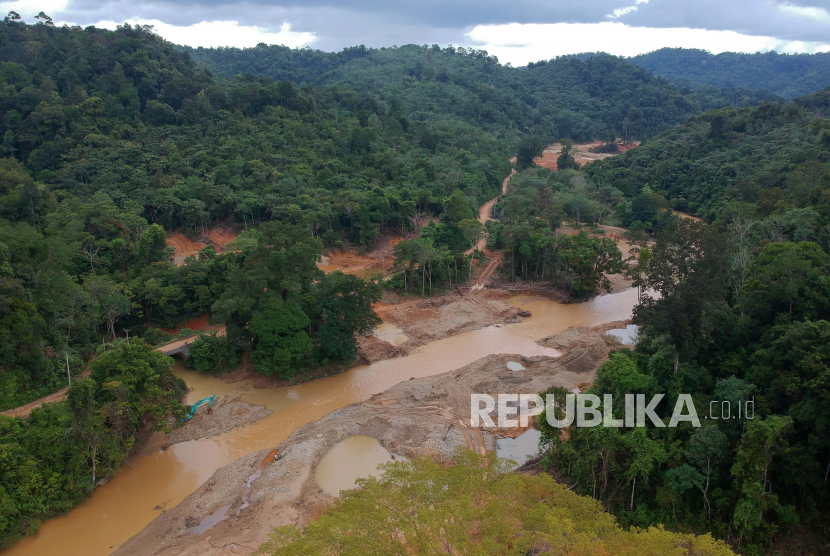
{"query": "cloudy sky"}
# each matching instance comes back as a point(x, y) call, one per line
point(517, 31)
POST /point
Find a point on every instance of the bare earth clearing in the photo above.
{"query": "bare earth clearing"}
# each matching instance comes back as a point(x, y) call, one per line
point(428, 416)
point(219, 236)
point(377, 261)
point(582, 156)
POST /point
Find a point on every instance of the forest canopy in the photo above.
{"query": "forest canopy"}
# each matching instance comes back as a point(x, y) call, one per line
point(786, 75)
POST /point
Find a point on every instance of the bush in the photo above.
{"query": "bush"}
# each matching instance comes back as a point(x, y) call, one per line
point(213, 354)
point(156, 336)
point(473, 508)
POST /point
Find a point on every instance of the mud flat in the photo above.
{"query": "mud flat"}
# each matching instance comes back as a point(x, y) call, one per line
point(436, 318)
point(226, 416)
point(441, 317)
point(426, 416)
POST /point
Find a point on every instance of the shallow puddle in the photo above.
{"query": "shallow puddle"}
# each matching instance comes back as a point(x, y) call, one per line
point(627, 336)
point(356, 457)
point(521, 448)
point(388, 332)
point(138, 494)
point(210, 521)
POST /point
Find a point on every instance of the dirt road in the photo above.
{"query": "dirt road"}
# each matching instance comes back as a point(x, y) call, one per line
point(489, 270)
point(25, 410)
point(486, 209)
point(174, 346)
point(60, 395)
point(484, 217)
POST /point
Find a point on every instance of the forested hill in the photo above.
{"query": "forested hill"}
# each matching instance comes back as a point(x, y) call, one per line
point(109, 138)
point(599, 96)
point(774, 155)
point(105, 133)
point(787, 75)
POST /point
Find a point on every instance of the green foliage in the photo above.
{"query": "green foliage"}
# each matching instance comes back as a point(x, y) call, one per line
point(279, 330)
point(687, 267)
point(769, 155)
point(581, 98)
point(788, 75)
point(458, 208)
point(52, 460)
point(140, 378)
point(529, 148)
point(431, 259)
point(420, 507)
point(110, 137)
point(589, 261)
point(343, 308)
point(213, 354)
point(741, 323)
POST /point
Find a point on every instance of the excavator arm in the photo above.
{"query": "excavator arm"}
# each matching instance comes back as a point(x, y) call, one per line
point(209, 400)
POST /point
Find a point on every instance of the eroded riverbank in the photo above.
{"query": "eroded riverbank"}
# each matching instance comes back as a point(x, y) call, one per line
point(161, 481)
point(422, 416)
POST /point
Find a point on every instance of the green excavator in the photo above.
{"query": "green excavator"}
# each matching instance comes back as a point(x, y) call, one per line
point(209, 400)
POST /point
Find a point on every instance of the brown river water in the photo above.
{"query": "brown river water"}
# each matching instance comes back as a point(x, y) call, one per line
point(139, 493)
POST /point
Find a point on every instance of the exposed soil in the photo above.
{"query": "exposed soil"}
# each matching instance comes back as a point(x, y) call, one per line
point(584, 153)
point(201, 322)
point(350, 262)
point(377, 261)
point(428, 416)
point(440, 317)
point(225, 416)
point(426, 320)
point(688, 216)
point(373, 349)
point(185, 247)
point(487, 208)
point(494, 259)
point(219, 236)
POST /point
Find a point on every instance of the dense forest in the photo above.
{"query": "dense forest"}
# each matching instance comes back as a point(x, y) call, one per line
point(52, 460)
point(786, 75)
point(772, 155)
point(740, 325)
point(742, 316)
point(596, 97)
point(109, 136)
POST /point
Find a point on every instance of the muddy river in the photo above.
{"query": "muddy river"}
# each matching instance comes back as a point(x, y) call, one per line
point(139, 493)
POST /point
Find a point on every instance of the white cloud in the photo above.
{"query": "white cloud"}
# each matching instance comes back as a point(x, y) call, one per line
point(221, 33)
point(28, 9)
point(522, 43)
point(619, 12)
point(818, 14)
